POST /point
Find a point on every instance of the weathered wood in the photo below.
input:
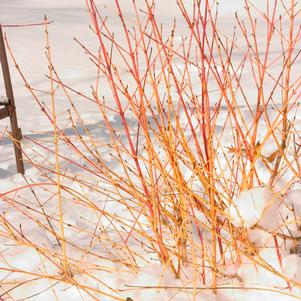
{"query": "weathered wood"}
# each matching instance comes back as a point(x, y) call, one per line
point(10, 106)
point(4, 113)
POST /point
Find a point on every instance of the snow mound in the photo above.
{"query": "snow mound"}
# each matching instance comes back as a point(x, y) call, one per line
point(293, 200)
point(255, 206)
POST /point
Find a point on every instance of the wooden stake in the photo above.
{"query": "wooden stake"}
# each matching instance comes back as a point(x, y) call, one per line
point(9, 109)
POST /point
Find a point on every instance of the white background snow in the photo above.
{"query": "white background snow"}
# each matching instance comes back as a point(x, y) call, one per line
point(71, 20)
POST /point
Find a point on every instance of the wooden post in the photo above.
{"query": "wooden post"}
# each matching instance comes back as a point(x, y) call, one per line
point(9, 109)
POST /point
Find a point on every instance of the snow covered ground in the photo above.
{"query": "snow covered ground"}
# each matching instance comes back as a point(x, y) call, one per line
point(270, 212)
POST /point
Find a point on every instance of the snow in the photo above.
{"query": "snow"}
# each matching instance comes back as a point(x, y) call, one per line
point(263, 213)
point(255, 206)
point(293, 200)
point(292, 266)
